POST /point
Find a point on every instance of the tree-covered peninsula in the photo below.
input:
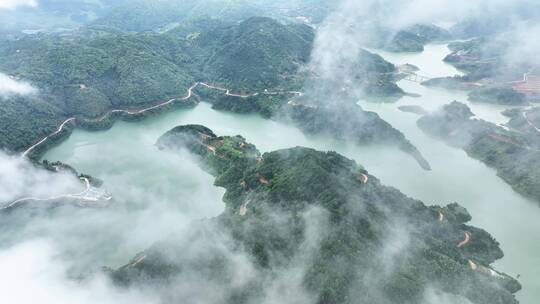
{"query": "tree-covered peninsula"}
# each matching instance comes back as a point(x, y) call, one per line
point(321, 226)
point(515, 154)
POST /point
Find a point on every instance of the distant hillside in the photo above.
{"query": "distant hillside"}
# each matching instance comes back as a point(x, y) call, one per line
point(151, 15)
point(415, 37)
point(259, 53)
point(91, 72)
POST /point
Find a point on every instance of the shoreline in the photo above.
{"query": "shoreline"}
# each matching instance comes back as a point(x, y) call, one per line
point(107, 120)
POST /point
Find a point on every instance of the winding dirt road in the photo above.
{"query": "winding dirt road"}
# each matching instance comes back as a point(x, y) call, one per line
point(484, 270)
point(265, 92)
point(210, 148)
point(130, 112)
point(296, 104)
point(227, 91)
point(262, 179)
point(243, 208)
point(364, 178)
point(466, 240)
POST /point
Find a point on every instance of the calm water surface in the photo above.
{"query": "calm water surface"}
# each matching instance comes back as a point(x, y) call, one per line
point(139, 175)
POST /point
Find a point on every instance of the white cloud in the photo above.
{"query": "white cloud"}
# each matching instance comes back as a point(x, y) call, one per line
point(12, 4)
point(34, 266)
point(10, 86)
point(19, 178)
point(523, 47)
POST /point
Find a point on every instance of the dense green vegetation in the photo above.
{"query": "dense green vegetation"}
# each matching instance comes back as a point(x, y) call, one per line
point(498, 95)
point(515, 155)
point(480, 57)
point(259, 54)
point(366, 76)
point(89, 72)
point(92, 71)
point(489, 72)
point(350, 123)
point(405, 41)
point(376, 77)
point(265, 104)
point(347, 234)
point(415, 37)
point(526, 121)
point(487, 58)
point(16, 132)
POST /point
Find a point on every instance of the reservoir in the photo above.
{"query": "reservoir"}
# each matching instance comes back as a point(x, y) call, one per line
point(157, 191)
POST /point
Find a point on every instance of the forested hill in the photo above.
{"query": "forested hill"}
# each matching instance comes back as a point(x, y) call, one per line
point(259, 53)
point(91, 71)
point(414, 38)
point(88, 72)
point(320, 216)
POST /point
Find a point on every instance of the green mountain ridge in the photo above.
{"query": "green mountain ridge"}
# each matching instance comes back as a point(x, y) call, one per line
point(89, 72)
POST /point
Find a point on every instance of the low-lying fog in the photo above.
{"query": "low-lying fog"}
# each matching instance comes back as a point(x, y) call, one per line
point(157, 193)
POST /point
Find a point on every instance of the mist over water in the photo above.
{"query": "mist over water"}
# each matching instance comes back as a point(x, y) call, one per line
point(135, 171)
point(494, 206)
point(56, 255)
point(431, 65)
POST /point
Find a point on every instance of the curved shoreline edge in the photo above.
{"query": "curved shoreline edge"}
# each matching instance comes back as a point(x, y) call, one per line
point(107, 120)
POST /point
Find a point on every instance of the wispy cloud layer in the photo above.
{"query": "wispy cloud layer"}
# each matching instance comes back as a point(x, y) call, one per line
point(18, 178)
point(10, 86)
point(12, 4)
point(32, 266)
